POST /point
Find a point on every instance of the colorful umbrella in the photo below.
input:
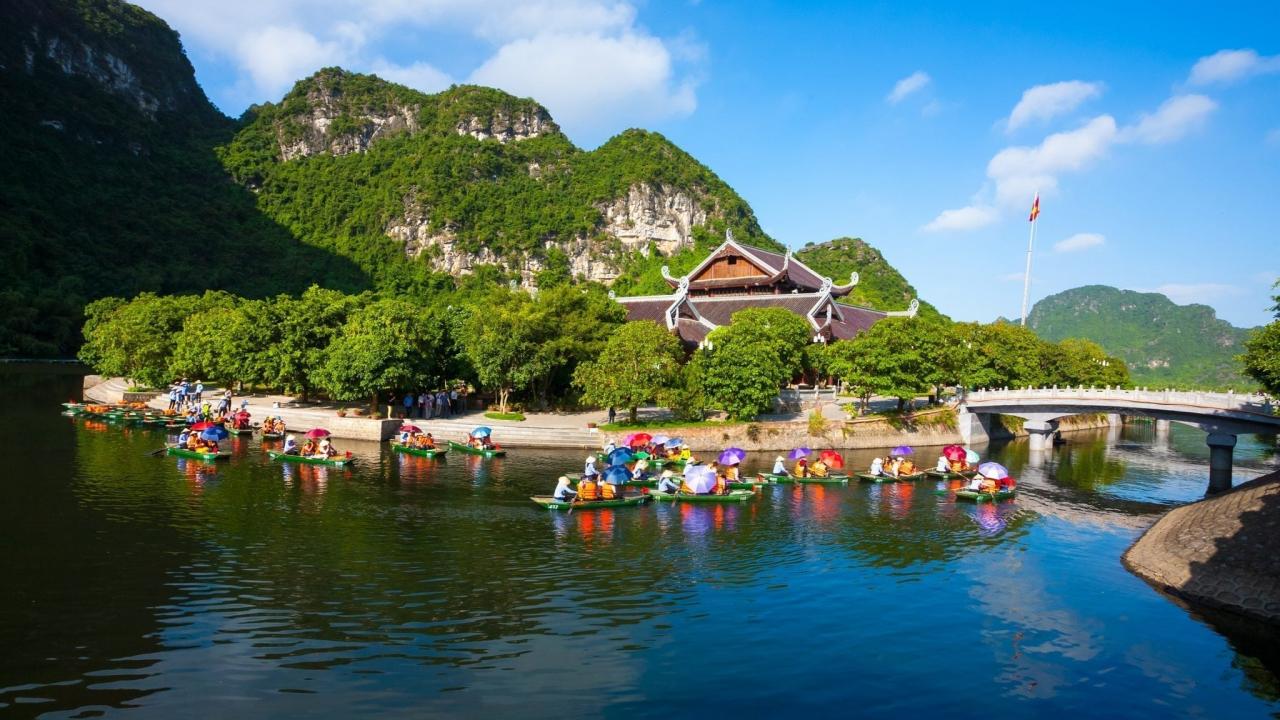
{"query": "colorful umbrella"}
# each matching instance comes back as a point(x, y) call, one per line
point(971, 457)
point(204, 425)
point(901, 451)
point(215, 433)
point(481, 432)
point(616, 475)
point(799, 453)
point(635, 439)
point(953, 453)
point(832, 458)
point(660, 439)
point(993, 471)
point(732, 456)
point(317, 433)
point(621, 456)
point(700, 478)
point(410, 429)
point(642, 455)
point(674, 443)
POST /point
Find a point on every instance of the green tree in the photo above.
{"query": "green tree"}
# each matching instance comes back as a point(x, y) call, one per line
point(887, 359)
point(136, 339)
point(946, 355)
point(1261, 358)
point(1075, 362)
point(570, 324)
point(294, 334)
point(390, 344)
point(1006, 355)
point(502, 347)
point(219, 344)
point(640, 360)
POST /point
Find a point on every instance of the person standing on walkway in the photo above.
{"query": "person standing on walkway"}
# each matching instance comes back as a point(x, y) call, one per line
point(408, 405)
point(453, 402)
point(173, 398)
point(442, 404)
point(613, 414)
point(422, 405)
point(199, 391)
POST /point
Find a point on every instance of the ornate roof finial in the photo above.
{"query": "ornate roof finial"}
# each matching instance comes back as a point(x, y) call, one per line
point(914, 307)
point(728, 234)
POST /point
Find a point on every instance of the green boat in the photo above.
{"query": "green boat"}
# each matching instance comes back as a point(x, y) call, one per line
point(833, 479)
point(868, 477)
point(420, 452)
point(980, 497)
point(246, 431)
point(197, 455)
point(462, 448)
point(733, 496)
point(551, 503)
point(950, 475)
point(270, 437)
point(310, 460)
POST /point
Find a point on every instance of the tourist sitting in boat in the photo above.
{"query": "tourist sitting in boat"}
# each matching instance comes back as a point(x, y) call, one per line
point(588, 489)
point(906, 467)
point(308, 448)
point(942, 466)
point(667, 483)
point(184, 437)
point(427, 442)
point(894, 467)
point(563, 492)
point(291, 445)
point(802, 468)
point(589, 469)
point(609, 447)
point(640, 470)
point(240, 420)
point(877, 466)
point(959, 466)
point(1006, 483)
point(609, 491)
point(818, 469)
point(731, 473)
point(326, 448)
point(780, 466)
point(686, 454)
point(406, 438)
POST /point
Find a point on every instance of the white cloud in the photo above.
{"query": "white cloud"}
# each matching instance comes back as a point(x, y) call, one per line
point(1019, 172)
point(1184, 293)
point(1079, 241)
point(965, 218)
point(605, 69)
point(1044, 102)
point(590, 77)
point(1226, 66)
point(1176, 117)
point(907, 85)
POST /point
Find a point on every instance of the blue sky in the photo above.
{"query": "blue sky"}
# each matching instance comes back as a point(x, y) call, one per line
point(1152, 132)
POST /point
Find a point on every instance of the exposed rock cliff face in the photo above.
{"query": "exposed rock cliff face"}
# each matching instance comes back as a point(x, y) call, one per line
point(505, 126)
point(113, 74)
point(659, 216)
point(328, 127)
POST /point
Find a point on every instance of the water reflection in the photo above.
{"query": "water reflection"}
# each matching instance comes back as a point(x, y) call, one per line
point(408, 583)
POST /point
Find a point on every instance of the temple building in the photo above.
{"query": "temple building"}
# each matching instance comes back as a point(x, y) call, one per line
point(737, 277)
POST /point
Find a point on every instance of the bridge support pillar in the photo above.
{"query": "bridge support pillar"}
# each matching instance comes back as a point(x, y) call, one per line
point(1162, 432)
point(1221, 446)
point(1040, 433)
point(974, 428)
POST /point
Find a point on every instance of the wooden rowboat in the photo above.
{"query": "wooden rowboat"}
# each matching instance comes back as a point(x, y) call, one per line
point(463, 448)
point(339, 461)
point(733, 496)
point(197, 455)
point(951, 475)
point(974, 496)
point(868, 477)
point(271, 437)
point(420, 452)
point(238, 431)
point(832, 479)
point(551, 503)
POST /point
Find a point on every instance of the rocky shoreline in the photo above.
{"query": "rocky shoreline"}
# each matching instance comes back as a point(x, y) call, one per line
point(1219, 552)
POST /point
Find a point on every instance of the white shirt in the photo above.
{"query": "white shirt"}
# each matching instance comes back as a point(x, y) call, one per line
point(877, 466)
point(942, 465)
point(779, 467)
point(590, 467)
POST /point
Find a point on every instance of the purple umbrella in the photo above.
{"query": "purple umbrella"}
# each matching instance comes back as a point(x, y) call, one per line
point(993, 471)
point(700, 478)
point(799, 453)
point(732, 456)
point(901, 451)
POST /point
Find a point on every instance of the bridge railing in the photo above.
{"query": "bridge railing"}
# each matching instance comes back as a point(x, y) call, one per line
point(1240, 402)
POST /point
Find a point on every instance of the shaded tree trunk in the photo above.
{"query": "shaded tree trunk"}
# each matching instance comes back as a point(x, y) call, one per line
point(633, 415)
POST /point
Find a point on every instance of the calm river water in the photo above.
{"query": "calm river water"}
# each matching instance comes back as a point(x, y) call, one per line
point(154, 587)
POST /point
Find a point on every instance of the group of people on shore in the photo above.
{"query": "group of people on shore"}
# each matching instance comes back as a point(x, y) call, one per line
point(185, 396)
point(441, 403)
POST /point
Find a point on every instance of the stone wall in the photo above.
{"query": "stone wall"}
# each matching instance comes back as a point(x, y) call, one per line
point(773, 437)
point(1219, 552)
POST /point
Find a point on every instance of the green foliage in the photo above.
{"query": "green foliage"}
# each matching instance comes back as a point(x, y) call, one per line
point(502, 348)
point(216, 344)
point(1164, 344)
point(1005, 355)
point(639, 360)
point(880, 286)
point(747, 361)
point(888, 359)
point(569, 325)
point(1262, 357)
point(515, 416)
point(1076, 362)
point(136, 339)
point(293, 336)
point(386, 345)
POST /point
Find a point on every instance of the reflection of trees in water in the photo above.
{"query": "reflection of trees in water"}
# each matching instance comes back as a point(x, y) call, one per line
point(1087, 466)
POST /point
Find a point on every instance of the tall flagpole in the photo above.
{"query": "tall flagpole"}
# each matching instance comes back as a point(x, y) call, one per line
point(1026, 278)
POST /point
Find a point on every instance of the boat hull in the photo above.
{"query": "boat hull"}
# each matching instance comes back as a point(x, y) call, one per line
point(308, 460)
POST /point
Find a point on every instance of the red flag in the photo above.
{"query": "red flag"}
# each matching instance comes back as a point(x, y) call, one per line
point(1035, 209)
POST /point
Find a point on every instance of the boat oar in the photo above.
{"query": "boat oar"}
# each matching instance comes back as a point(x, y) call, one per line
point(154, 453)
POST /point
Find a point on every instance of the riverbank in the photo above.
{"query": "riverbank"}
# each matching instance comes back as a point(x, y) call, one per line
point(1218, 552)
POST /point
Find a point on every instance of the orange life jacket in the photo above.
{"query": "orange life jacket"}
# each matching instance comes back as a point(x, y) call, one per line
point(609, 491)
point(588, 490)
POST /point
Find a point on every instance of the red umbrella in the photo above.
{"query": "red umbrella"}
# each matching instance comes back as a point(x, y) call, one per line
point(204, 425)
point(318, 433)
point(953, 453)
point(638, 439)
point(833, 459)
point(410, 429)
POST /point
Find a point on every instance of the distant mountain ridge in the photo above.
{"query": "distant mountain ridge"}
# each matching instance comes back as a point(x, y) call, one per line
point(880, 285)
point(1164, 344)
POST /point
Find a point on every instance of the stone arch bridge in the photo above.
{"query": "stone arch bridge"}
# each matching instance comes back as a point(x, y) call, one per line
point(1222, 415)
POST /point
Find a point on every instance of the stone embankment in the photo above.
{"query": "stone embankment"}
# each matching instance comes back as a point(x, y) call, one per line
point(1219, 552)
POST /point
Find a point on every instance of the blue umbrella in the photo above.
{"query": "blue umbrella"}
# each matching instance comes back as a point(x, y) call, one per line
point(215, 433)
point(994, 471)
point(732, 456)
point(659, 440)
point(674, 443)
point(798, 453)
point(971, 457)
point(621, 456)
point(616, 475)
point(481, 432)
